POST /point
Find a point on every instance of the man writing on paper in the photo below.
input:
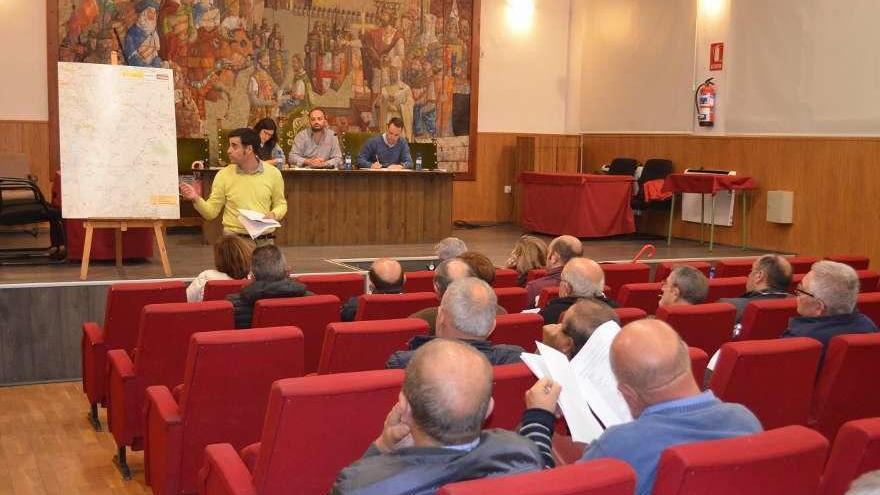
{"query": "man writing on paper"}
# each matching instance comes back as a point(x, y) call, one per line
point(388, 150)
point(246, 184)
point(653, 372)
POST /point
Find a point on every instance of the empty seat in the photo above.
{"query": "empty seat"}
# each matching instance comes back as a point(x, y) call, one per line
point(773, 378)
point(734, 267)
point(627, 315)
point(223, 400)
point(785, 460)
point(620, 274)
point(867, 280)
point(366, 345)
point(767, 318)
point(391, 306)
point(645, 296)
point(869, 304)
point(801, 264)
point(725, 287)
point(858, 262)
point(342, 285)
point(547, 294)
point(420, 281)
point(310, 433)
point(311, 314)
point(623, 166)
point(699, 362)
point(706, 326)
point(512, 299)
point(535, 273)
point(847, 388)
point(655, 169)
point(120, 331)
point(217, 290)
point(159, 359)
point(856, 451)
point(521, 329)
point(663, 269)
point(505, 277)
point(509, 385)
point(599, 477)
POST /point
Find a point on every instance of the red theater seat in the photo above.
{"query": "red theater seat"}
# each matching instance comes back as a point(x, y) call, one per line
point(513, 299)
point(159, 359)
point(391, 306)
point(767, 318)
point(311, 314)
point(725, 287)
point(620, 274)
point(505, 277)
point(858, 262)
point(366, 345)
point(801, 264)
point(120, 331)
point(847, 388)
point(644, 296)
point(628, 315)
point(856, 451)
point(310, 433)
point(521, 329)
point(547, 293)
point(420, 281)
point(599, 477)
point(509, 385)
point(867, 280)
point(734, 267)
point(535, 274)
point(223, 400)
point(217, 290)
point(699, 362)
point(869, 304)
point(706, 326)
point(664, 268)
point(785, 460)
point(773, 378)
point(342, 285)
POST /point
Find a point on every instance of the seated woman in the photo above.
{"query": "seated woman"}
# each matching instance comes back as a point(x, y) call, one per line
point(528, 253)
point(269, 151)
point(232, 260)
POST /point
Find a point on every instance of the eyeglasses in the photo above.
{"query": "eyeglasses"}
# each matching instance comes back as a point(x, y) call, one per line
point(799, 291)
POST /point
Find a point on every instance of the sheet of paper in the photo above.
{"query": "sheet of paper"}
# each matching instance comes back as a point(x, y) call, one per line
point(533, 310)
point(255, 224)
point(583, 426)
point(535, 364)
point(713, 360)
point(592, 367)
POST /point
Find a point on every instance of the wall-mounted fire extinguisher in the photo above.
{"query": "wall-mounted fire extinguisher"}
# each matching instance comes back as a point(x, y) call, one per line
point(704, 100)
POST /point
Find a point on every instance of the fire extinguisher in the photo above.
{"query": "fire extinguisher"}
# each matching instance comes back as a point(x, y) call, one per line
point(704, 100)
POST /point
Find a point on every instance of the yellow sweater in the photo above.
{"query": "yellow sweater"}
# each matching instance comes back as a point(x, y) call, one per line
point(261, 191)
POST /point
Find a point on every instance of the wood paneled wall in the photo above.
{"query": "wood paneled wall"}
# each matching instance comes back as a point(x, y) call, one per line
point(32, 139)
point(835, 183)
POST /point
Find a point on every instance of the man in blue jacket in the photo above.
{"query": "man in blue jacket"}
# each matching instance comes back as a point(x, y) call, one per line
point(388, 150)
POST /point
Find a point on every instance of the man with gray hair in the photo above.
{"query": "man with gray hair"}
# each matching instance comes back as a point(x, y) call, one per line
point(447, 272)
point(449, 248)
point(578, 325)
point(826, 303)
point(769, 279)
point(270, 281)
point(684, 285)
point(561, 249)
point(433, 434)
point(866, 484)
point(581, 278)
point(467, 313)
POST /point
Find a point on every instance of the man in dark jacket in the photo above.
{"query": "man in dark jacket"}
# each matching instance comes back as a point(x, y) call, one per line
point(581, 278)
point(433, 435)
point(386, 277)
point(769, 279)
point(271, 281)
point(467, 313)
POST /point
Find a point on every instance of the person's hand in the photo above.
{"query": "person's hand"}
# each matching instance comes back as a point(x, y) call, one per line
point(269, 216)
point(543, 395)
point(395, 433)
point(395, 166)
point(188, 192)
point(376, 166)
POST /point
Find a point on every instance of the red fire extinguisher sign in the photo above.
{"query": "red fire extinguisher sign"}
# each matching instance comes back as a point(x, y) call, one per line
point(716, 56)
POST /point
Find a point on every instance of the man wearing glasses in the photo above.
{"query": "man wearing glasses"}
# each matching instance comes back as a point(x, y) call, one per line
point(826, 303)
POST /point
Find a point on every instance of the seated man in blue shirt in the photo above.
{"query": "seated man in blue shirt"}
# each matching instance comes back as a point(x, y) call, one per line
point(653, 371)
point(388, 150)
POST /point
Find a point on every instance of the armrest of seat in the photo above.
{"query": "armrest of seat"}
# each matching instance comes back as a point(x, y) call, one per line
point(92, 333)
point(249, 455)
point(163, 440)
point(122, 396)
point(94, 358)
point(224, 473)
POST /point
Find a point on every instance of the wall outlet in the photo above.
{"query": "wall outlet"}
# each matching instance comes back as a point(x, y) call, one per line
point(508, 189)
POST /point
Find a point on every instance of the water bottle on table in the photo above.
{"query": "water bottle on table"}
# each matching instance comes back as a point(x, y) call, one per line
point(419, 162)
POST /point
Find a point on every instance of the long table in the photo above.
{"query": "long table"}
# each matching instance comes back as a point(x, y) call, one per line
point(345, 207)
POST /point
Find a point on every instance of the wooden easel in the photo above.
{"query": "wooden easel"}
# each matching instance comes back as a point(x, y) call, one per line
point(121, 225)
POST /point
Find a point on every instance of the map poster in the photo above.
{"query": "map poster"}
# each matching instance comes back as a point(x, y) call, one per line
point(118, 142)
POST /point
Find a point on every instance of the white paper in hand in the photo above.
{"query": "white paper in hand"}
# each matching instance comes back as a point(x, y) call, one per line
point(581, 423)
point(592, 367)
point(255, 224)
point(535, 364)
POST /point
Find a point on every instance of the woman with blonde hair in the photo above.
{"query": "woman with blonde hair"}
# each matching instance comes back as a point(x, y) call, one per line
point(528, 253)
point(232, 260)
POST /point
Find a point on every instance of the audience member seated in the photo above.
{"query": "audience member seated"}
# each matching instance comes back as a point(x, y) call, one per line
point(684, 285)
point(480, 264)
point(578, 324)
point(232, 260)
point(769, 279)
point(528, 253)
point(271, 281)
point(561, 249)
point(449, 248)
point(581, 278)
point(826, 303)
point(653, 371)
point(386, 277)
point(467, 313)
point(447, 272)
point(433, 436)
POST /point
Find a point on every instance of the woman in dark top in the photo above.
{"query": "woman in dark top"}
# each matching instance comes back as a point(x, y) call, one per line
point(269, 150)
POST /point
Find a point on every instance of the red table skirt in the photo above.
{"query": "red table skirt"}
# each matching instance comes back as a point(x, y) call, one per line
point(576, 204)
point(707, 183)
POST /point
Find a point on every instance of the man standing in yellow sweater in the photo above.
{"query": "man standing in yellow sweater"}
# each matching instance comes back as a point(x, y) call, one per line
point(247, 183)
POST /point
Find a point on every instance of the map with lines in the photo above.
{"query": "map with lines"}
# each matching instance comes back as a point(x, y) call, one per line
point(118, 142)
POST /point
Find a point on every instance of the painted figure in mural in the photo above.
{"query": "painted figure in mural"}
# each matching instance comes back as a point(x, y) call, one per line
point(186, 111)
point(425, 95)
point(81, 18)
point(176, 30)
point(103, 48)
point(261, 91)
point(383, 50)
point(397, 101)
point(295, 87)
point(142, 41)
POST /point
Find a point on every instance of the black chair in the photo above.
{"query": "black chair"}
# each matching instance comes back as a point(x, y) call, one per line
point(623, 166)
point(29, 207)
point(654, 169)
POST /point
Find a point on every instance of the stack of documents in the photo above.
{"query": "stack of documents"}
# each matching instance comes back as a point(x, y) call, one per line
point(255, 224)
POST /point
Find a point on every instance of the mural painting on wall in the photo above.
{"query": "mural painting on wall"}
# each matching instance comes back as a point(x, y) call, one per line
point(237, 61)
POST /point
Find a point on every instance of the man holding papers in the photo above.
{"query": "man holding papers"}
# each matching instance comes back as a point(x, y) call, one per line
point(243, 188)
point(653, 372)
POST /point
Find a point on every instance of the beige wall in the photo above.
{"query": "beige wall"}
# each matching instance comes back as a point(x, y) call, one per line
point(23, 59)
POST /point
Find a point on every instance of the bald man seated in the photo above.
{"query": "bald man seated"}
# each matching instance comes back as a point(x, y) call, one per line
point(466, 313)
point(386, 277)
point(561, 249)
point(653, 371)
point(433, 435)
point(769, 279)
point(581, 278)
